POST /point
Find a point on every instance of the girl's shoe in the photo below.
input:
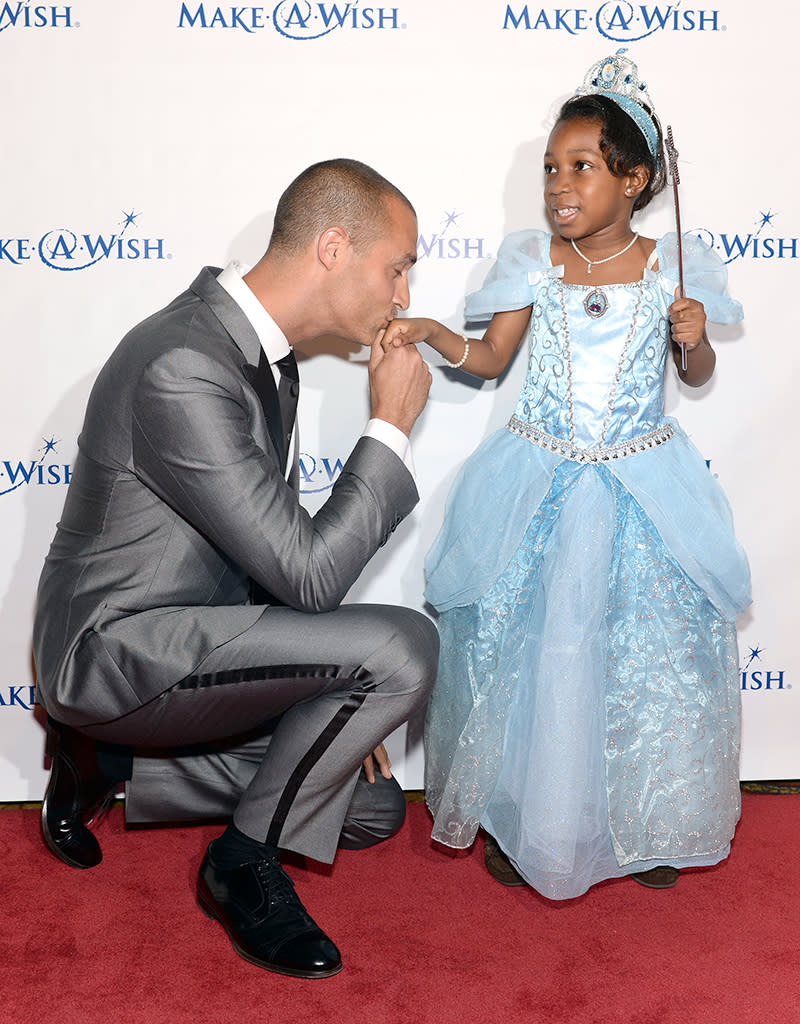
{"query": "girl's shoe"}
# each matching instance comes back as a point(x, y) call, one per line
point(498, 865)
point(663, 877)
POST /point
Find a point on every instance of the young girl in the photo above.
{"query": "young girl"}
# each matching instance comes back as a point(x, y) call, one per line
point(586, 713)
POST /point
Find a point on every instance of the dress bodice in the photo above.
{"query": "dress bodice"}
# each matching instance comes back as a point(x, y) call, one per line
point(595, 380)
point(596, 362)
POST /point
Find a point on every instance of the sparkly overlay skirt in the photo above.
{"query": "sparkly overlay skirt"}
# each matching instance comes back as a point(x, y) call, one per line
point(587, 709)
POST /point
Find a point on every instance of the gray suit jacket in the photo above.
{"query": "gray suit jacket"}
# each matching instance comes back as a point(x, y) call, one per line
point(176, 501)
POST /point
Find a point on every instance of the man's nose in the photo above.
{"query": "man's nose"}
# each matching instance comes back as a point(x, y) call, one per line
point(402, 294)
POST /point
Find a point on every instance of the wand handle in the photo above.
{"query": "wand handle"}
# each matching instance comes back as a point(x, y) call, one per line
point(672, 160)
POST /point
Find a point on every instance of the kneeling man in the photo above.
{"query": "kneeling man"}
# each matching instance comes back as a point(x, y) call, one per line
point(189, 608)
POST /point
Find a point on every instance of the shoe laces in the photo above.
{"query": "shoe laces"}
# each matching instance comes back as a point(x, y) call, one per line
point(279, 888)
point(102, 808)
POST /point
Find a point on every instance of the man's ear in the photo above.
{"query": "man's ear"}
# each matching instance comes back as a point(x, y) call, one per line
point(332, 244)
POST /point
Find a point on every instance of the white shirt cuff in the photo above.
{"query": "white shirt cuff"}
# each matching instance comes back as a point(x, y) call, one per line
point(394, 438)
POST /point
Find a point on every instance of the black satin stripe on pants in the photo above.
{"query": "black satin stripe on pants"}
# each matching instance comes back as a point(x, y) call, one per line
point(338, 682)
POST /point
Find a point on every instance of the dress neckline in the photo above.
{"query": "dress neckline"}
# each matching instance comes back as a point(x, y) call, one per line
point(650, 263)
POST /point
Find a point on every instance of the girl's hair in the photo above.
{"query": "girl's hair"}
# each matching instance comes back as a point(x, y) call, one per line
point(621, 142)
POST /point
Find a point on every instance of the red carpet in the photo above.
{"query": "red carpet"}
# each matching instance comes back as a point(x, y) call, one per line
point(426, 936)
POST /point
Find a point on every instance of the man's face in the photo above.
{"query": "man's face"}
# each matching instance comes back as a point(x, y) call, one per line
point(375, 284)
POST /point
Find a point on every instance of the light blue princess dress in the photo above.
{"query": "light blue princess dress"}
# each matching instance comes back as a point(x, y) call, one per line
point(587, 710)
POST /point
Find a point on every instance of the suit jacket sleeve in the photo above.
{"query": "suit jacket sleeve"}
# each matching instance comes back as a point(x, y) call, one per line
point(194, 442)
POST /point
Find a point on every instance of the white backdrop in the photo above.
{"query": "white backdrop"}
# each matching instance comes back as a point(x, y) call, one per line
point(143, 140)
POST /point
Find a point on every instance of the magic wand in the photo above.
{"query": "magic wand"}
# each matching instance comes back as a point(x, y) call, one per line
point(673, 174)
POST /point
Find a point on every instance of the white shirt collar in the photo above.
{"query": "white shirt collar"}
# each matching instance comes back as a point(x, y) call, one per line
point(272, 338)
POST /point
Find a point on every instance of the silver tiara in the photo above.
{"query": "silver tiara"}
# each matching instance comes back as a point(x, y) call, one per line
point(617, 77)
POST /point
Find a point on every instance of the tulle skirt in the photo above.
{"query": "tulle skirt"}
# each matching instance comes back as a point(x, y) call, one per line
point(587, 709)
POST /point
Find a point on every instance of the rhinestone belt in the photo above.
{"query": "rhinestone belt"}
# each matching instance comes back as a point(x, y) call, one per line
point(557, 445)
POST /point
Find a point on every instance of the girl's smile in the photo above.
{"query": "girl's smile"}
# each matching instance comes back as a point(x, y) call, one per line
point(564, 214)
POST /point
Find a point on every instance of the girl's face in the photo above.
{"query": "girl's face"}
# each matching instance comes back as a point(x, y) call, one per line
point(582, 196)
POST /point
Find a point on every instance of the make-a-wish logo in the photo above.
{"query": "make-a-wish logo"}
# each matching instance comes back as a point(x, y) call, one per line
point(290, 18)
point(318, 473)
point(450, 242)
point(64, 249)
point(41, 471)
point(18, 696)
point(26, 15)
point(759, 677)
point(755, 245)
point(622, 23)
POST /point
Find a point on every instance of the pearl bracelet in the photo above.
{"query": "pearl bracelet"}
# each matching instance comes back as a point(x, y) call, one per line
point(463, 359)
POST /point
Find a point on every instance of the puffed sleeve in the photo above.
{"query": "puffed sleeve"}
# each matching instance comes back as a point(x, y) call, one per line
point(523, 260)
point(705, 276)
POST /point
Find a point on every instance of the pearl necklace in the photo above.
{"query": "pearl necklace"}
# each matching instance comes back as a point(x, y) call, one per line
point(596, 263)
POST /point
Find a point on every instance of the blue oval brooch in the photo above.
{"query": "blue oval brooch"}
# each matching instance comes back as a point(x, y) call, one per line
point(595, 303)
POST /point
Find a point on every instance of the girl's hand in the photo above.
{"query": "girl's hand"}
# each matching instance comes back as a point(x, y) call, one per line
point(688, 319)
point(406, 331)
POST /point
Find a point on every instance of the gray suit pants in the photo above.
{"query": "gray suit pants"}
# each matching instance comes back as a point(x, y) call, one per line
point(324, 689)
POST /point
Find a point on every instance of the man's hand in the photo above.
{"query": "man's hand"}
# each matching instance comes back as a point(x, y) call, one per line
point(399, 382)
point(381, 758)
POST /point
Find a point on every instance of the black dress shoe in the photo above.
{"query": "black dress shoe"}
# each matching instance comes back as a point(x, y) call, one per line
point(76, 791)
point(662, 877)
point(268, 925)
point(498, 865)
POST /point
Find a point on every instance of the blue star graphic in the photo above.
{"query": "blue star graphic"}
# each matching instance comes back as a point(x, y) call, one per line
point(129, 219)
point(49, 446)
point(755, 654)
point(766, 218)
point(449, 218)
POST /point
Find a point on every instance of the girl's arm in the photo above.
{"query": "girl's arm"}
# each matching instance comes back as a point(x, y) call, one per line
point(688, 320)
point(487, 356)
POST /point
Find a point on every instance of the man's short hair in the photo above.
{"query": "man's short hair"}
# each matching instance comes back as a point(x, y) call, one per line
point(333, 193)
